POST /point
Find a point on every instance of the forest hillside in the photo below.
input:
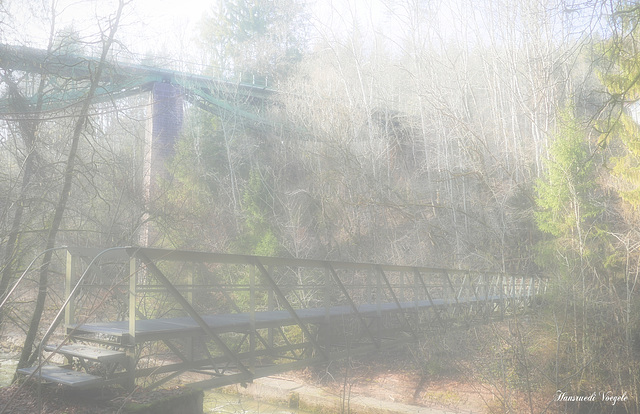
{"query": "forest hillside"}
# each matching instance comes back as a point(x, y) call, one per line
point(491, 135)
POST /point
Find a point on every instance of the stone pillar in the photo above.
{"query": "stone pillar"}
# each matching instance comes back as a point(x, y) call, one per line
point(162, 131)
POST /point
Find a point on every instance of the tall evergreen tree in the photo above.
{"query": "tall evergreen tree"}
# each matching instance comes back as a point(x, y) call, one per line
point(564, 192)
point(257, 38)
point(622, 117)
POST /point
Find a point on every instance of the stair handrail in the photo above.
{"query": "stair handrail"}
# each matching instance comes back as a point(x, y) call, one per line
point(51, 328)
point(57, 319)
point(15, 286)
point(58, 316)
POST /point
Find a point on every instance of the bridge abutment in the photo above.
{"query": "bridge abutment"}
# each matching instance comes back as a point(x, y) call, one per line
point(186, 402)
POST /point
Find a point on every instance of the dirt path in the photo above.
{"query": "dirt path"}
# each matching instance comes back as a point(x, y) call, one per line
point(388, 393)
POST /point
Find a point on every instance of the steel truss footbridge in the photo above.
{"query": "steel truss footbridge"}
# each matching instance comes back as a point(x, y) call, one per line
point(146, 316)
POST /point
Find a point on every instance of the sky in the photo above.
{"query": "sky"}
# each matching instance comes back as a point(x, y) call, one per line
point(172, 24)
point(153, 18)
point(171, 27)
point(146, 24)
point(184, 17)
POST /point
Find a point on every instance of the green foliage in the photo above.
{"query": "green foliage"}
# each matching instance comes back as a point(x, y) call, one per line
point(626, 166)
point(439, 365)
point(266, 38)
point(187, 201)
point(259, 237)
point(215, 195)
point(622, 80)
point(564, 193)
point(195, 198)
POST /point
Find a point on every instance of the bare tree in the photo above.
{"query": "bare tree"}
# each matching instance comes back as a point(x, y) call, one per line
point(29, 122)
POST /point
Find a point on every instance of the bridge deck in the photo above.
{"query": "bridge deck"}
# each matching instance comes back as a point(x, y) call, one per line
point(154, 329)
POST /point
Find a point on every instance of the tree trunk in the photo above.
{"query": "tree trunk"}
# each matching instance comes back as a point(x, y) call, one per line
point(28, 128)
point(28, 356)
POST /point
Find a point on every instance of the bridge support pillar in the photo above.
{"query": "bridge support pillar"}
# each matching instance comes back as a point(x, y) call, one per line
point(162, 131)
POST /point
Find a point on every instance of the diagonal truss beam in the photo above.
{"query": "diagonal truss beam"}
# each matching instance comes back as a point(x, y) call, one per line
point(433, 307)
point(192, 312)
point(352, 304)
point(287, 305)
point(229, 300)
point(453, 292)
point(384, 277)
point(229, 355)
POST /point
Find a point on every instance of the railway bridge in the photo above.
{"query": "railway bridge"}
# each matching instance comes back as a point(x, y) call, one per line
point(144, 316)
point(43, 82)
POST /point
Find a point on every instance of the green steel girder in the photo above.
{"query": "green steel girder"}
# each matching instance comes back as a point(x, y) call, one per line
point(120, 80)
point(55, 100)
point(206, 97)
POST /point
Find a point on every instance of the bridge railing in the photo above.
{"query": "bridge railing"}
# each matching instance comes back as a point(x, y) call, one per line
point(260, 315)
point(126, 287)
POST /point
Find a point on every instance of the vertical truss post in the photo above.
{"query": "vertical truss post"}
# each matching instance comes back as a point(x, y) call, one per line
point(446, 277)
point(527, 299)
point(485, 287)
point(512, 293)
point(252, 319)
point(501, 289)
point(378, 279)
point(270, 307)
point(465, 300)
point(520, 286)
point(70, 282)
point(532, 291)
point(133, 316)
point(378, 304)
point(327, 294)
point(325, 330)
point(190, 340)
point(505, 294)
point(523, 300)
point(368, 286)
point(478, 304)
point(462, 285)
point(491, 292)
point(190, 286)
point(133, 303)
point(416, 298)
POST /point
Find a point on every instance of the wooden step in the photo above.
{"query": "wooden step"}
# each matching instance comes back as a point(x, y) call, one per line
point(64, 376)
point(87, 352)
point(88, 336)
